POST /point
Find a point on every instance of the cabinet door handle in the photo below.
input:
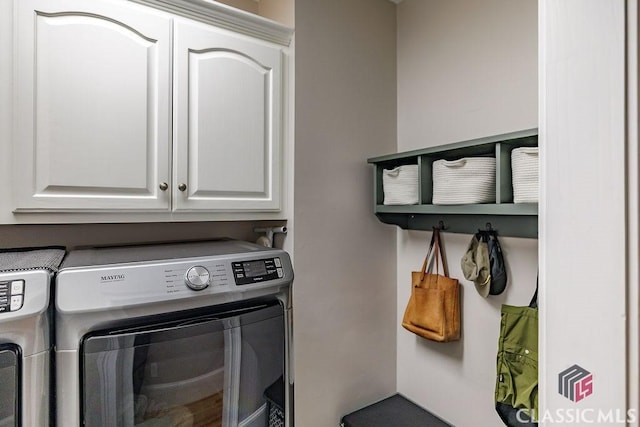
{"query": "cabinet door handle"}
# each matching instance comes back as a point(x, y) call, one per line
point(164, 186)
point(182, 187)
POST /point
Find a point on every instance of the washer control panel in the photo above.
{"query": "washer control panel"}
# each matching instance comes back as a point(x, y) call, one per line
point(247, 272)
point(11, 295)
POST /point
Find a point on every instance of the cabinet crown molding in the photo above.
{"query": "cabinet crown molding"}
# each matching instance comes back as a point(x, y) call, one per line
point(227, 17)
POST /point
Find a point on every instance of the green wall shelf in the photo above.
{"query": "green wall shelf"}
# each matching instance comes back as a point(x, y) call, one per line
point(508, 218)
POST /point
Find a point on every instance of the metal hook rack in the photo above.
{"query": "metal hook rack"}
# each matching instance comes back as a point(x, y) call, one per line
point(509, 225)
point(442, 227)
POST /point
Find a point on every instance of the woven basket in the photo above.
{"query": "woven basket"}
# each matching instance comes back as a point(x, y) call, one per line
point(276, 415)
point(524, 170)
point(400, 185)
point(468, 180)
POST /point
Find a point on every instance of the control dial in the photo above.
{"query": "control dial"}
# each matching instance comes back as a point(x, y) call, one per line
point(197, 278)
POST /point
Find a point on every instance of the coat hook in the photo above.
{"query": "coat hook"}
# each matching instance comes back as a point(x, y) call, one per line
point(488, 226)
point(441, 225)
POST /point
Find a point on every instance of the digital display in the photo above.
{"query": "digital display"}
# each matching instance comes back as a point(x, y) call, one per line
point(251, 272)
point(254, 268)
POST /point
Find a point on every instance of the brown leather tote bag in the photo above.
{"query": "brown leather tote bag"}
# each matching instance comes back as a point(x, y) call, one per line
point(433, 311)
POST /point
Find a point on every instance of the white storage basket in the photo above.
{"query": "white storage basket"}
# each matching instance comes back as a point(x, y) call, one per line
point(400, 185)
point(464, 181)
point(524, 174)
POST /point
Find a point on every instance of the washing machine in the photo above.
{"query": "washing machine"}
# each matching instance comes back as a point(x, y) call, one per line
point(26, 336)
point(178, 334)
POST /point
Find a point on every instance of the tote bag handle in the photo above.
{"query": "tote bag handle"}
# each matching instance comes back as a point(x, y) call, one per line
point(435, 249)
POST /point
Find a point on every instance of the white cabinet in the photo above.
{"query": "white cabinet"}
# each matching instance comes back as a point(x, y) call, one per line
point(92, 106)
point(227, 120)
point(124, 108)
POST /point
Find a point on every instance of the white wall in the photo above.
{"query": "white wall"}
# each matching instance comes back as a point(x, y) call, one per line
point(633, 208)
point(466, 69)
point(247, 5)
point(282, 11)
point(344, 291)
point(75, 235)
point(583, 221)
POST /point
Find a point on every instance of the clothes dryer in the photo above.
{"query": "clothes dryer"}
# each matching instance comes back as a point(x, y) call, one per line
point(182, 334)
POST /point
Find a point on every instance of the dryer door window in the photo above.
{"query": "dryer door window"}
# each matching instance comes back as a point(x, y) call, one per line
point(9, 385)
point(209, 370)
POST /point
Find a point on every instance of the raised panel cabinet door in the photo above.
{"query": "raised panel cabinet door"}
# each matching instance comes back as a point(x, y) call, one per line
point(227, 121)
point(92, 97)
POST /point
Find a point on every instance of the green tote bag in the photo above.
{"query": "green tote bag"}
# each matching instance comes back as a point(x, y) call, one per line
point(516, 393)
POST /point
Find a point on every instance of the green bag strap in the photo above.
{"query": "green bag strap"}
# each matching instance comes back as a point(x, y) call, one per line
point(534, 300)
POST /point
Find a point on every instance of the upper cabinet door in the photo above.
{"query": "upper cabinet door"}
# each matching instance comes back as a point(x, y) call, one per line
point(92, 97)
point(227, 121)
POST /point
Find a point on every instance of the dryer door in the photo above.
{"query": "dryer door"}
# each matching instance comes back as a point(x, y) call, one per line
point(10, 385)
point(208, 370)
